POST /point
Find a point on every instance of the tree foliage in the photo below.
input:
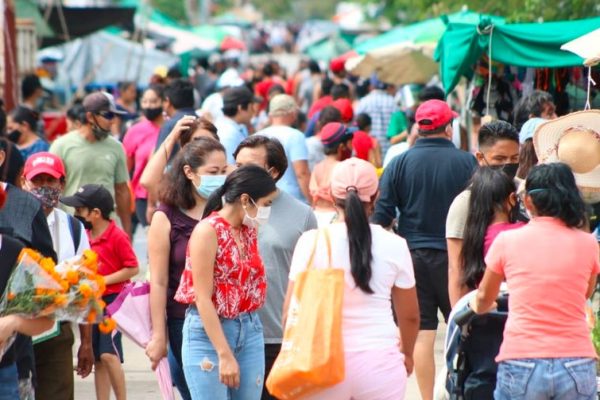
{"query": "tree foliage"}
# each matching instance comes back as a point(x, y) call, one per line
point(407, 11)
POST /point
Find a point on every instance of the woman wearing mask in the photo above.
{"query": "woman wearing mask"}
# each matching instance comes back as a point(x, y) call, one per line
point(139, 142)
point(492, 209)
point(224, 284)
point(197, 171)
point(550, 267)
point(22, 123)
point(378, 271)
point(337, 146)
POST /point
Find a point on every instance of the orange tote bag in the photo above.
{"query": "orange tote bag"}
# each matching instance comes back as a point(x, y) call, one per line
point(312, 352)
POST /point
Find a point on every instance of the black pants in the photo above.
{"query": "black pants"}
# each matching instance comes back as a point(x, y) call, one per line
point(431, 274)
point(271, 353)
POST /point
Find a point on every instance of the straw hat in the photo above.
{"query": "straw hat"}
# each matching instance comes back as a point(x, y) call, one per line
point(575, 140)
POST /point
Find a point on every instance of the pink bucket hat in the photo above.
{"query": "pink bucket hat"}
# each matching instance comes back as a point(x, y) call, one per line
point(354, 174)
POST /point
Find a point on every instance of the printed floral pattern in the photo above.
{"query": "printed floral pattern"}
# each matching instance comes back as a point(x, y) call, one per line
point(239, 281)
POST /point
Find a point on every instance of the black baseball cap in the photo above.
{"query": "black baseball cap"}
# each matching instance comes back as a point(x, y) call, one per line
point(99, 102)
point(91, 196)
point(238, 96)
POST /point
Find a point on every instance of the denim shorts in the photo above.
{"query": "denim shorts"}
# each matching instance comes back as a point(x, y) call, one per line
point(107, 343)
point(547, 378)
point(244, 335)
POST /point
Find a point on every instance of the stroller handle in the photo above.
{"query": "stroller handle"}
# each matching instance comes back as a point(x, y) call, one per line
point(463, 317)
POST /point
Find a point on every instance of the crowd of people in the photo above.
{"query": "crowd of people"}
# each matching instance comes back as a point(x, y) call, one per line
point(243, 180)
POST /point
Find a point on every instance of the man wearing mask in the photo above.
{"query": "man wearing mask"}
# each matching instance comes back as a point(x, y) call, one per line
point(44, 175)
point(498, 148)
point(91, 156)
point(288, 220)
point(421, 184)
point(179, 102)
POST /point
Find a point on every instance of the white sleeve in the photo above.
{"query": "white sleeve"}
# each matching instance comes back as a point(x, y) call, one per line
point(405, 279)
point(302, 252)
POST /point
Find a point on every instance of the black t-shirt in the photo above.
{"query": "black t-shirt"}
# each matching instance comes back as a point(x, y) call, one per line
point(9, 252)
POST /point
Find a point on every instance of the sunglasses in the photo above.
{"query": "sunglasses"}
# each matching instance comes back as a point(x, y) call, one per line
point(109, 115)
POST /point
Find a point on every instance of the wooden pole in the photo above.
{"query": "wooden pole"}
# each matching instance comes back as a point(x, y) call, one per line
point(10, 84)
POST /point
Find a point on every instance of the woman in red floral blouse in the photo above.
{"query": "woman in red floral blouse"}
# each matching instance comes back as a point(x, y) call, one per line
point(224, 283)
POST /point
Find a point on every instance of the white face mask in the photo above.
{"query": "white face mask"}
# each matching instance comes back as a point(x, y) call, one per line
point(262, 216)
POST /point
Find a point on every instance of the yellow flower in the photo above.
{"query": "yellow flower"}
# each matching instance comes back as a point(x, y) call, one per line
point(107, 325)
point(47, 264)
point(61, 300)
point(31, 253)
point(72, 277)
point(85, 290)
point(91, 318)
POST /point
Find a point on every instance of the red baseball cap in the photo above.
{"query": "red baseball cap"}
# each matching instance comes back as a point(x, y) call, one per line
point(44, 163)
point(345, 108)
point(337, 65)
point(434, 114)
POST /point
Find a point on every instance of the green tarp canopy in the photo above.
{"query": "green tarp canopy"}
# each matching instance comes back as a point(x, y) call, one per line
point(534, 45)
point(328, 48)
point(428, 31)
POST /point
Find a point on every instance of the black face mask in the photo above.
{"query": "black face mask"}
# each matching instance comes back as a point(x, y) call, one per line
point(152, 113)
point(86, 224)
point(14, 136)
point(510, 169)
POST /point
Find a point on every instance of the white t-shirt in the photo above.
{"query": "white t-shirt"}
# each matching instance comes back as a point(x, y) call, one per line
point(367, 320)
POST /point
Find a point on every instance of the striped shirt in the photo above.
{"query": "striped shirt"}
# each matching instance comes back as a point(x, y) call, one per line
point(380, 106)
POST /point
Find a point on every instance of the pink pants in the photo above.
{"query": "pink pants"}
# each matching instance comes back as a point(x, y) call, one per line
point(370, 375)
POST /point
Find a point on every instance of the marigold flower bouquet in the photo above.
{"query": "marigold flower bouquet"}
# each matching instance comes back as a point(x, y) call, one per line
point(69, 291)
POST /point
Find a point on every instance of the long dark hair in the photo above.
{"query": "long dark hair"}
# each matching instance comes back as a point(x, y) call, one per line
point(554, 193)
point(527, 159)
point(250, 179)
point(176, 190)
point(359, 239)
point(489, 191)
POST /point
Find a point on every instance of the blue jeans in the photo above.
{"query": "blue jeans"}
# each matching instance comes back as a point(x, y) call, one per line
point(9, 383)
point(175, 327)
point(244, 335)
point(547, 378)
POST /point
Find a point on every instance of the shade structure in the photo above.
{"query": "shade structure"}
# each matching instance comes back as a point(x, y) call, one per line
point(534, 45)
point(586, 47)
point(397, 64)
point(428, 31)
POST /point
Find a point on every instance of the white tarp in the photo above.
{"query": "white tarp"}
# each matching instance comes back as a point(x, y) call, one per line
point(103, 58)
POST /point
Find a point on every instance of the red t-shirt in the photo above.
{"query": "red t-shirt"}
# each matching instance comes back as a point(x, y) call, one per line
point(114, 253)
point(320, 105)
point(362, 143)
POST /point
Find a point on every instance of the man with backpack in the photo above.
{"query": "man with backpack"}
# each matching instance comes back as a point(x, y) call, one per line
point(44, 177)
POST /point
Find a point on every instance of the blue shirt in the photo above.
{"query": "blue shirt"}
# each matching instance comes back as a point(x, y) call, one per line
point(421, 184)
point(37, 147)
point(231, 134)
point(294, 143)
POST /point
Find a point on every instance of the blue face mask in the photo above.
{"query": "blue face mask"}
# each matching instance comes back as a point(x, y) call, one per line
point(208, 184)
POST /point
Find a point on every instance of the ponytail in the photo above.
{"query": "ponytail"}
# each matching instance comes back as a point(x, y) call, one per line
point(359, 240)
point(214, 202)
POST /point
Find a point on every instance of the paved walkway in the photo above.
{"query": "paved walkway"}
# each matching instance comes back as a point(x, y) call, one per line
point(141, 381)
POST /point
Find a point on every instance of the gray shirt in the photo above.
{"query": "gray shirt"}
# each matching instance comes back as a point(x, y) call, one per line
point(289, 219)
